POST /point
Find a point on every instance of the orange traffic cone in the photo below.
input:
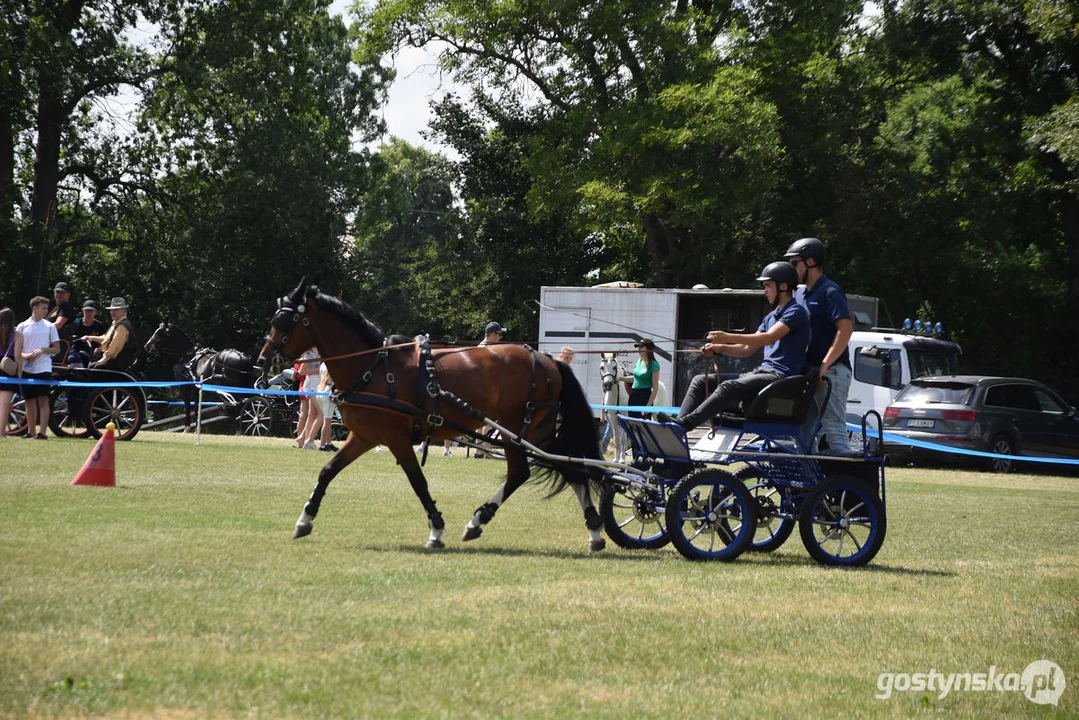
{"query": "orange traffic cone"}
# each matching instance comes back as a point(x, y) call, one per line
point(100, 468)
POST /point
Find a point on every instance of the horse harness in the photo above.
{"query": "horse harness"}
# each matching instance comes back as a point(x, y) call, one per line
point(427, 394)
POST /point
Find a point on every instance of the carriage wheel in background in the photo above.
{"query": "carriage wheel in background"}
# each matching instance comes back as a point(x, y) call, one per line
point(843, 522)
point(16, 419)
point(633, 516)
point(710, 515)
point(256, 417)
point(118, 405)
point(62, 420)
point(772, 530)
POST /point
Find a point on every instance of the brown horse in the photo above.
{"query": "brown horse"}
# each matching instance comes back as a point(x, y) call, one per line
point(396, 391)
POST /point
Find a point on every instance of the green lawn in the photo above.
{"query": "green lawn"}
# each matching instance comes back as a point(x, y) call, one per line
point(181, 593)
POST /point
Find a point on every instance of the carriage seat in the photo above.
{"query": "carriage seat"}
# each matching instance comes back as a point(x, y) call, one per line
point(787, 400)
point(784, 401)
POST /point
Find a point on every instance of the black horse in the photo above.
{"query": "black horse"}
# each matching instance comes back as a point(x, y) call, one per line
point(228, 367)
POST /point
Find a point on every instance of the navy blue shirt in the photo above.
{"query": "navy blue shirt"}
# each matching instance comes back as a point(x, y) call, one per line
point(826, 304)
point(787, 355)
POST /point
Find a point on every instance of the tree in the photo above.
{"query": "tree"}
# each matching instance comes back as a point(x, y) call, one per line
point(645, 122)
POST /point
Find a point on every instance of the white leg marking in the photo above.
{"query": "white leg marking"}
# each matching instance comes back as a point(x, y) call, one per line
point(496, 499)
point(305, 519)
point(582, 498)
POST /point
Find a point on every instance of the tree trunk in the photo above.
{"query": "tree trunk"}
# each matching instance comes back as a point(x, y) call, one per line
point(50, 118)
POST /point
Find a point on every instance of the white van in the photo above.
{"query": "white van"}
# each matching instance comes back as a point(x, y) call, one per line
point(885, 360)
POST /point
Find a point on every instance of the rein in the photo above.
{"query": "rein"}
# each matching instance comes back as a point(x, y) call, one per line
point(360, 352)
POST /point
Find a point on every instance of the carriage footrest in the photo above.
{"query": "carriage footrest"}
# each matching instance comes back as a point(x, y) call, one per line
point(661, 441)
point(715, 446)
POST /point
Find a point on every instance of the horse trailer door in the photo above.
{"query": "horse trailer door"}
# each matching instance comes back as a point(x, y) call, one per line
point(570, 326)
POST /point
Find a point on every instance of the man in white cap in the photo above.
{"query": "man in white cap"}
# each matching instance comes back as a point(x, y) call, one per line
point(118, 344)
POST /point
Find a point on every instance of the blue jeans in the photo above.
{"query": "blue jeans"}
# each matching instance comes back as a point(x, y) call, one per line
point(833, 423)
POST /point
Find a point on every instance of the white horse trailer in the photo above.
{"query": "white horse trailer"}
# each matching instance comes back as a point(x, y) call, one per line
point(616, 315)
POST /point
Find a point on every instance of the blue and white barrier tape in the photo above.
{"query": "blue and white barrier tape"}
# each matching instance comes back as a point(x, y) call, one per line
point(872, 432)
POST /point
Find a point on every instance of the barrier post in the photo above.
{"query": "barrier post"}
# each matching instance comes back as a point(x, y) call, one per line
point(198, 418)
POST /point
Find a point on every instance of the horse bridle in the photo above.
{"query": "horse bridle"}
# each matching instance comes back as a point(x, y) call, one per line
point(284, 321)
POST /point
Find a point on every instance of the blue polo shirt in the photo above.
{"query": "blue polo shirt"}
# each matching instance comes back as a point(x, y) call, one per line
point(826, 304)
point(787, 355)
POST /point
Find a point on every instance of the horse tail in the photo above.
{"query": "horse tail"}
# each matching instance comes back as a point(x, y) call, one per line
point(577, 437)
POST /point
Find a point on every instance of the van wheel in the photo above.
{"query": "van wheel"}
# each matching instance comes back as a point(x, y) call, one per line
point(1002, 445)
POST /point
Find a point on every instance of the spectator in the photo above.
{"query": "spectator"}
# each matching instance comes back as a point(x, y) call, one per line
point(492, 334)
point(118, 345)
point(36, 341)
point(7, 352)
point(310, 416)
point(566, 355)
point(325, 405)
point(645, 377)
point(63, 315)
point(784, 335)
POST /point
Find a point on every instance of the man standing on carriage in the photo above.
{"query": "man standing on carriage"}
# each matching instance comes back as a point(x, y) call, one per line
point(118, 344)
point(784, 335)
point(832, 327)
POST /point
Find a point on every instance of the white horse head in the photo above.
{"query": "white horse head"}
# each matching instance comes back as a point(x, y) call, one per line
point(609, 370)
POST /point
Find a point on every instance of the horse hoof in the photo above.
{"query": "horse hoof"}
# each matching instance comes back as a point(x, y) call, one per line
point(435, 545)
point(596, 545)
point(302, 530)
point(471, 533)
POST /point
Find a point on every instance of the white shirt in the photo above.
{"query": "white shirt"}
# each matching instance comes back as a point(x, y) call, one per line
point(37, 336)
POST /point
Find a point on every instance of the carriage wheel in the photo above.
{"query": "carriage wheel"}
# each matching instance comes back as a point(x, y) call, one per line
point(119, 406)
point(256, 417)
point(710, 515)
point(63, 420)
point(633, 516)
point(16, 419)
point(843, 522)
point(773, 528)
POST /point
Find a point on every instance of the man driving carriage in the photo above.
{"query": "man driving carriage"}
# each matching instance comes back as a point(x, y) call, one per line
point(784, 335)
point(118, 345)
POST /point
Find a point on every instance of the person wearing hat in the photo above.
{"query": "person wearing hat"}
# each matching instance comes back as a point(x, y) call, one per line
point(645, 377)
point(63, 315)
point(784, 335)
point(492, 334)
point(88, 324)
point(118, 345)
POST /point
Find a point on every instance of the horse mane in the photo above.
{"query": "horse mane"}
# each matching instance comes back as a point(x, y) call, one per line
point(350, 316)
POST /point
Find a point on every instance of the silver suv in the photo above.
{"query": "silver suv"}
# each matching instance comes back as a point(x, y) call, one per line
point(1010, 416)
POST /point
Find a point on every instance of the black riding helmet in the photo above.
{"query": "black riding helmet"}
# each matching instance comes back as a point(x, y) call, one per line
point(807, 248)
point(780, 272)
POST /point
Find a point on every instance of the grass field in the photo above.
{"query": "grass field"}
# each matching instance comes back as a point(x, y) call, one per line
point(181, 594)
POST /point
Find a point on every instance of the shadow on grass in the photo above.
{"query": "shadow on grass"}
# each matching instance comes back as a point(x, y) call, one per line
point(649, 556)
point(643, 556)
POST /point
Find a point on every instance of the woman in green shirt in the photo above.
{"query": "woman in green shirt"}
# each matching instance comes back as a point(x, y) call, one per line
point(645, 377)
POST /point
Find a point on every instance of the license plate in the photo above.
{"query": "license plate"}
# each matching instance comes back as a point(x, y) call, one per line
point(920, 423)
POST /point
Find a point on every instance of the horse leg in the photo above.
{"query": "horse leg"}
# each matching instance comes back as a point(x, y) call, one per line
point(517, 473)
point(592, 519)
point(406, 458)
point(352, 449)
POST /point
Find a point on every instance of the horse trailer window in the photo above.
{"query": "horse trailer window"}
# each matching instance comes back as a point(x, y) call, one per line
point(877, 366)
point(930, 393)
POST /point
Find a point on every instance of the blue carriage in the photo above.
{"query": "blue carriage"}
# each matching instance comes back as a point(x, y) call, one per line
point(747, 484)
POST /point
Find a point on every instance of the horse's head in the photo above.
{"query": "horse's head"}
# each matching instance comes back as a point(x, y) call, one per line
point(608, 370)
point(290, 332)
point(160, 338)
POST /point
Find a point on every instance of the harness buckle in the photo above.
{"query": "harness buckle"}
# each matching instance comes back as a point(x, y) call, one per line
point(435, 420)
point(367, 376)
point(389, 378)
point(432, 390)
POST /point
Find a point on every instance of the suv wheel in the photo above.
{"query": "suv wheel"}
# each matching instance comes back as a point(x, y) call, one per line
point(1002, 445)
